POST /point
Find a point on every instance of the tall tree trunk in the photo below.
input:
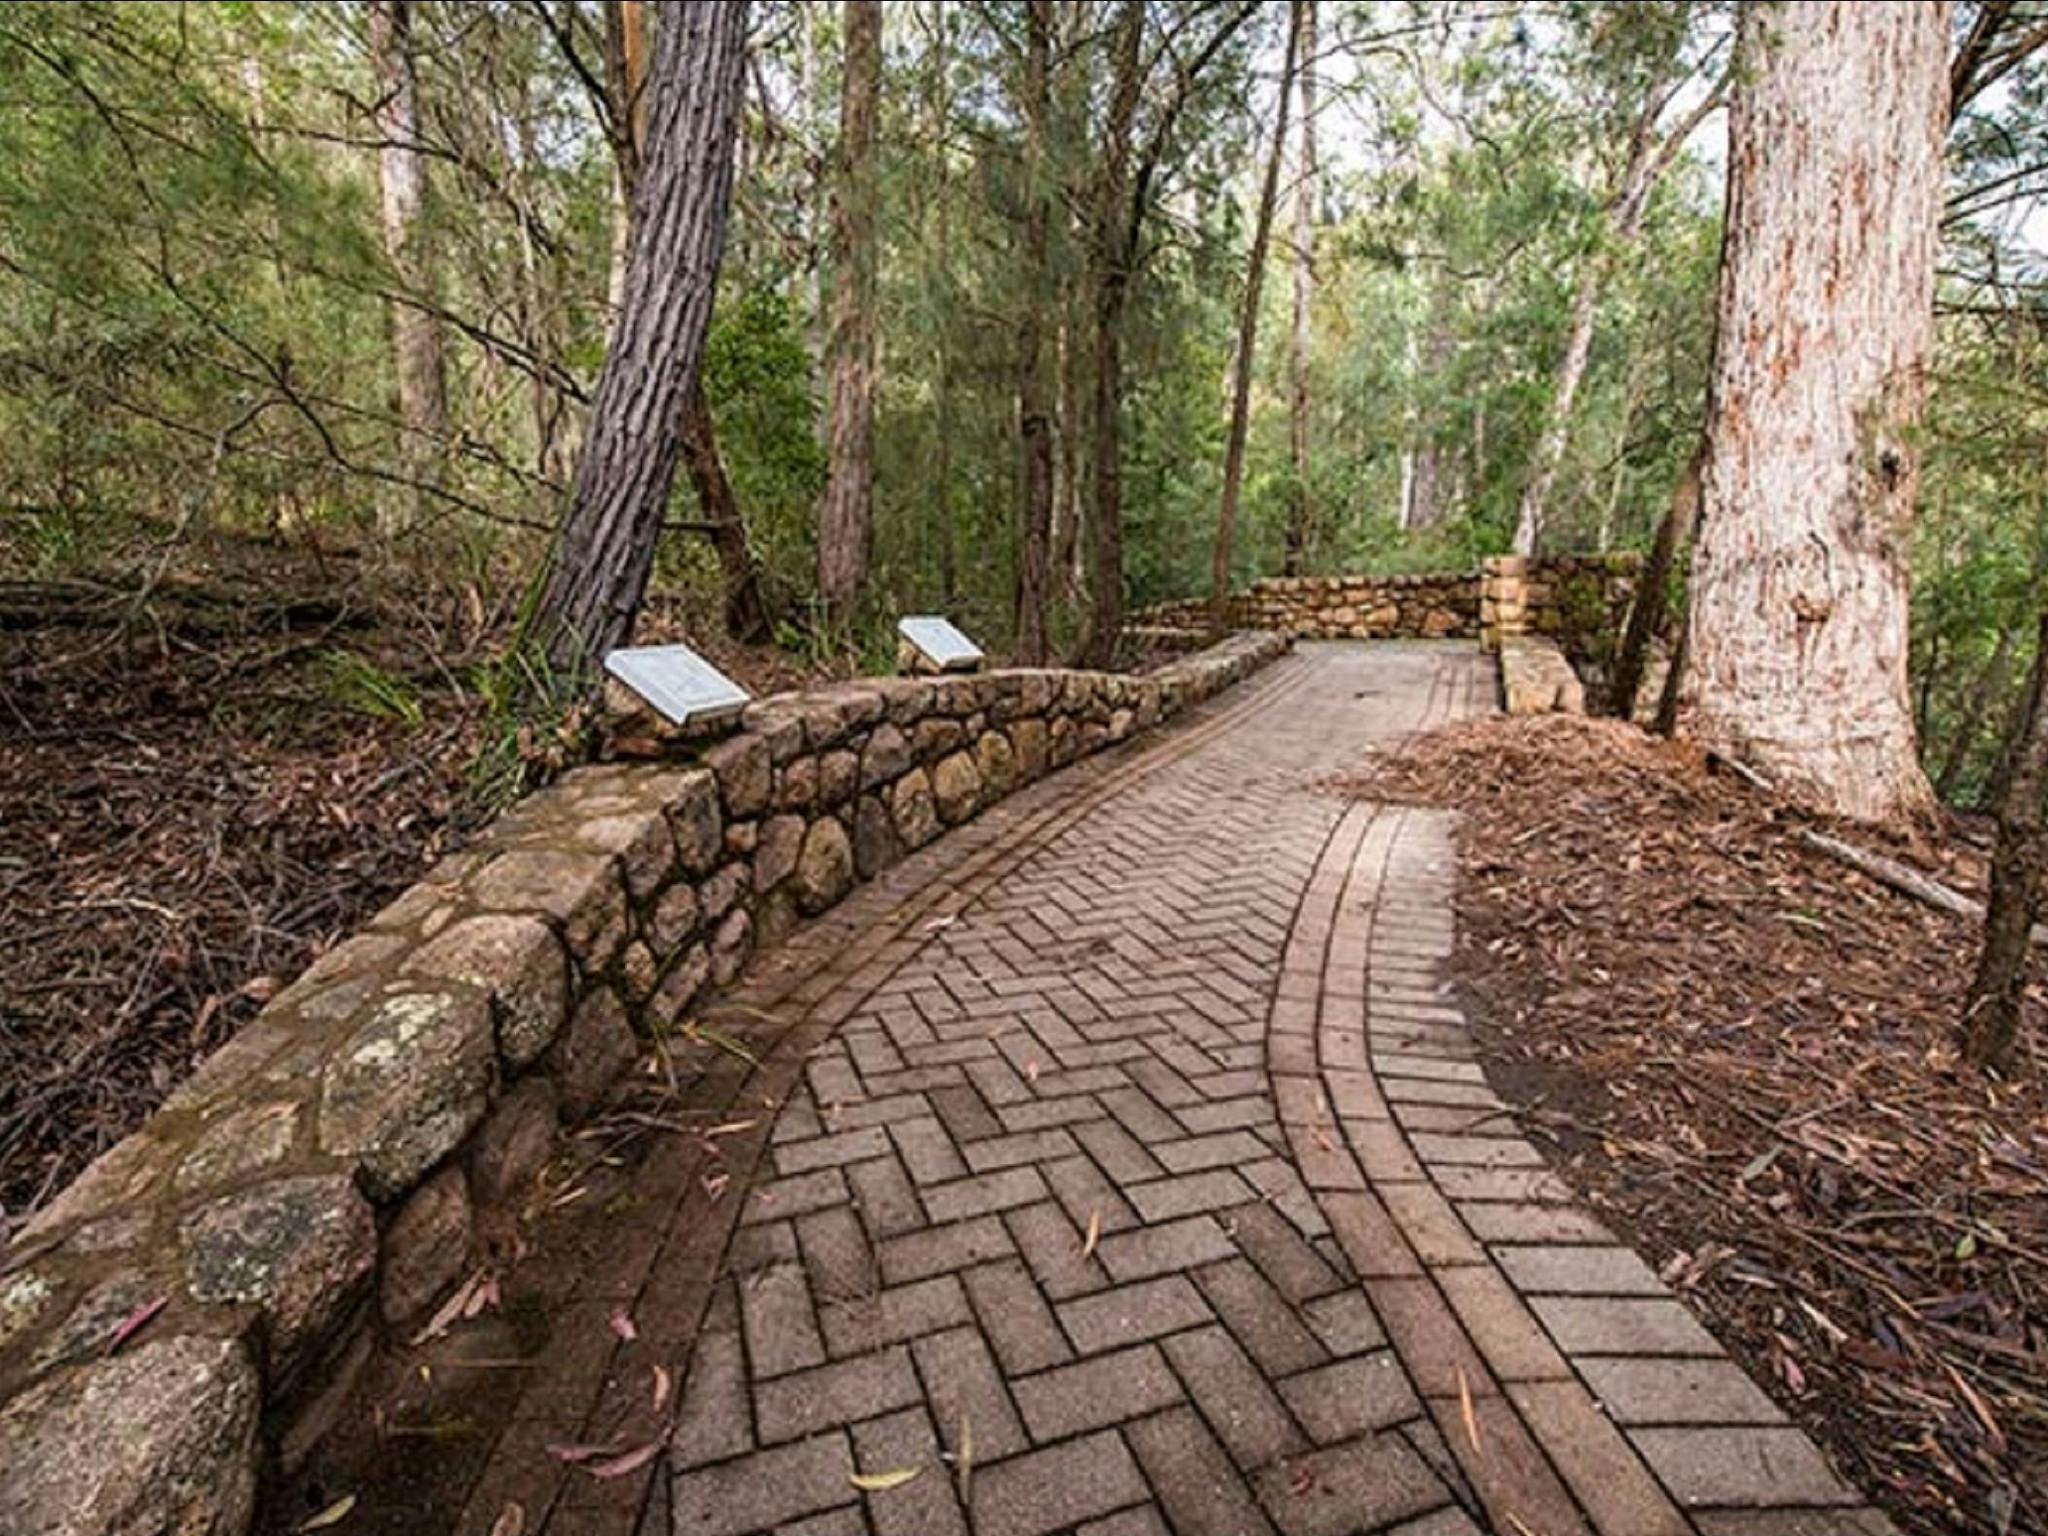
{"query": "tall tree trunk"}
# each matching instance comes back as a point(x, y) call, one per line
point(1248, 337)
point(1653, 586)
point(1111, 254)
point(1800, 575)
point(846, 510)
point(415, 331)
point(747, 617)
point(628, 466)
point(1298, 511)
point(1991, 1016)
point(940, 203)
point(1034, 417)
point(1982, 692)
point(1067, 574)
point(1620, 222)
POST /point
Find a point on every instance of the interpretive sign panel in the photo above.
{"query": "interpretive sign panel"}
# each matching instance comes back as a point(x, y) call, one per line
point(939, 644)
point(682, 686)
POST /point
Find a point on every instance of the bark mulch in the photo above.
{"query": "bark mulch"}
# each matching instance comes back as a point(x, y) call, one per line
point(1745, 1055)
point(211, 771)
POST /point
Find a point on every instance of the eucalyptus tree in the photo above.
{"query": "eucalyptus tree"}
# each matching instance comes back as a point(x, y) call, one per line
point(415, 330)
point(1800, 575)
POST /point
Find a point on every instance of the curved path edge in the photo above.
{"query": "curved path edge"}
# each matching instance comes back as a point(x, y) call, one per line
point(1120, 1164)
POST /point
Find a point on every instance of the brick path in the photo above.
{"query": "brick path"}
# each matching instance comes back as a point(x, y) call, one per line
point(1128, 1170)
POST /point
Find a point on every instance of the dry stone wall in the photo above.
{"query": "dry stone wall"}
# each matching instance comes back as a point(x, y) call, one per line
point(1581, 601)
point(198, 1301)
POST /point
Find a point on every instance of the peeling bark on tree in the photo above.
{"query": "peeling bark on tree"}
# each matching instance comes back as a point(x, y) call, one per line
point(1800, 575)
point(606, 549)
point(415, 331)
point(1991, 1017)
point(846, 510)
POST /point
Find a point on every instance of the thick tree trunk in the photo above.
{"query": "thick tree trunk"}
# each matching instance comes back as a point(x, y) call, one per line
point(747, 617)
point(846, 510)
point(1248, 337)
point(415, 332)
point(1653, 585)
point(1298, 511)
point(1800, 575)
point(1111, 254)
point(746, 609)
point(1991, 1017)
point(628, 465)
point(1034, 417)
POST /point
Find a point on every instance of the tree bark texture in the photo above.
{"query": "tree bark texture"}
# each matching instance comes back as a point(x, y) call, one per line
point(1800, 575)
point(1991, 1017)
point(1034, 415)
point(846, 510)
point(1299, 513)
point(628, 466)
point(1111, 253)
point(415, 332)
point(1248, 338)
point(1646, 614)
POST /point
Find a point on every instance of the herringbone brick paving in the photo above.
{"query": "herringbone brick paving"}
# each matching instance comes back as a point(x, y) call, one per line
point(1122, 1165)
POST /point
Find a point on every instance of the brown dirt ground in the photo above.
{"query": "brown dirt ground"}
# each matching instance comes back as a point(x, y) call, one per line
point(1744, 1054)
point(195, 803)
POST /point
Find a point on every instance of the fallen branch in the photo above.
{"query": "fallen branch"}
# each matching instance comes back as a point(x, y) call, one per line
point(1904, 878)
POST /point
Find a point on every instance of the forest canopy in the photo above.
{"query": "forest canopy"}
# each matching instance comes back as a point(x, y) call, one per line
point(346, 275)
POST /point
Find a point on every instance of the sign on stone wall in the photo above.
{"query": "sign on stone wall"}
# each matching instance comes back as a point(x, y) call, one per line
point(932, 644)
point(678, 684)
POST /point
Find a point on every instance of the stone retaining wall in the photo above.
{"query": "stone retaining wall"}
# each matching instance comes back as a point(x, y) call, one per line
point(201, 1298)
point(1579, 600)
point(1537, 679)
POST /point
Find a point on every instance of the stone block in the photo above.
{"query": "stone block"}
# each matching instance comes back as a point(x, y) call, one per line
point(746, 774)
point(885, 757)
point(876, 845)
point(956, 788)
point(519, 962)
point(596, 1047)
point(824, 870)
point(731, 946)
point(411, 1081)
point(296, 1249)
point(1030, 743)
point(426, 1247)
point(159, 1438)
point(514, 1144)
point(913, 809)
point(775, 855)
point(696, 820)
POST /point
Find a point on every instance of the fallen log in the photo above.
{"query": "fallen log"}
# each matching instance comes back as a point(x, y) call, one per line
point(1904, 878)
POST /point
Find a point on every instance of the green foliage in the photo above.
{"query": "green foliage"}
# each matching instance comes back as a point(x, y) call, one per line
point(360, 684)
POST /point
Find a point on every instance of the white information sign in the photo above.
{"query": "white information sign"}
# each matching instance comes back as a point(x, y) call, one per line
point(939, 643)
point(682, 686)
